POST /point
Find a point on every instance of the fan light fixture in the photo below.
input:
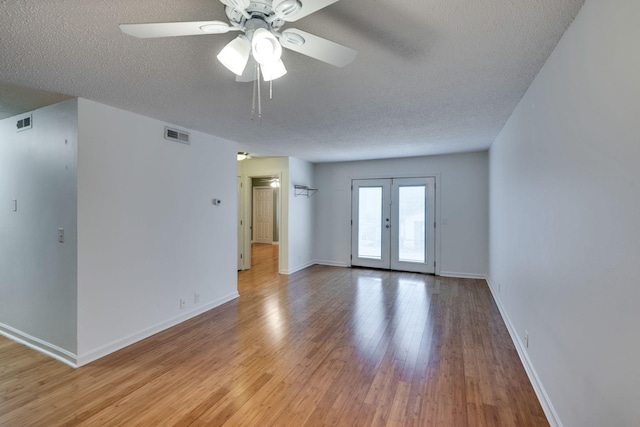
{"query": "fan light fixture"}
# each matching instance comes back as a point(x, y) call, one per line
point(273, 71)
point(265, 47)
point(266, 50)
point(235, 55)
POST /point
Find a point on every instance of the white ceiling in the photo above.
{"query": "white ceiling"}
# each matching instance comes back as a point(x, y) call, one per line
point(431, 76)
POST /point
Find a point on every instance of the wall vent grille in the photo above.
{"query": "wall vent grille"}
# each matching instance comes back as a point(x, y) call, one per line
point(25, 123)
point(176, 135)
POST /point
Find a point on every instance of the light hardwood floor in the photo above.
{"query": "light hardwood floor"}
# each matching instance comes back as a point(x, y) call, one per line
point(324, 346)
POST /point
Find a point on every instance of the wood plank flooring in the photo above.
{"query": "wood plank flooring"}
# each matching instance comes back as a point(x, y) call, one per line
point(324, 346)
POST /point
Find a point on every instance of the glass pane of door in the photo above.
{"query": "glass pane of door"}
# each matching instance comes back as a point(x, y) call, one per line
point(370, 222)
point(411, 223)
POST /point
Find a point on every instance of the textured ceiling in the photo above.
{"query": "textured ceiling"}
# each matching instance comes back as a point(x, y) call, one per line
point(431, 76)
point(16, 100)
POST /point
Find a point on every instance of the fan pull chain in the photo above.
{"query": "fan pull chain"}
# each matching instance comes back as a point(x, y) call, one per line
point(256, 91)
point(253, 101)
point(270, 89)
point(259, 100)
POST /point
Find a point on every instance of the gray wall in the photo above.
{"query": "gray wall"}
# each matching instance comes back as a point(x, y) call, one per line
point(38, 278)
point(302, 215)
point(148, 233)
point(565, 212)
point(463, 196)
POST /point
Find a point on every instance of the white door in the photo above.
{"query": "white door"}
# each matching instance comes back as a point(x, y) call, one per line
point(371, 222)
point(262, 215)
point(240, 225)
point(393, 224)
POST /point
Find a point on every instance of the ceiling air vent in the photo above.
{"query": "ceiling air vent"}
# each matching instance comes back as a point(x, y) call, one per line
point(176, 135)
point(25, 123)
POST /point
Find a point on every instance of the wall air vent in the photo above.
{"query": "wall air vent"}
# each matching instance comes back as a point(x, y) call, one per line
point(176, 135)
point(25, 123)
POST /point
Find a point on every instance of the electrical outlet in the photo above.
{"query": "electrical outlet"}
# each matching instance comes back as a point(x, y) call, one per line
point(61, 235)
point(14, 205)
point(196, 298)
point(526, 339)
point(183, 303)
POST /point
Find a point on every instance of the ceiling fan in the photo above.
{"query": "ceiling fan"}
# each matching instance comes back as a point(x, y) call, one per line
point(259, 47)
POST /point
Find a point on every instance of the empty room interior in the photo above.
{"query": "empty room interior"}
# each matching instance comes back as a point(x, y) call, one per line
point(320, 212)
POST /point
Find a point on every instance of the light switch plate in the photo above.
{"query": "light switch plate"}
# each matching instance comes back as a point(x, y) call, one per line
point(61, 235)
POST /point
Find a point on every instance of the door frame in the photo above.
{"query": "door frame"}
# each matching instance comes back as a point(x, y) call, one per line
point(437, 212)
point(246, 215)
point(241, 228)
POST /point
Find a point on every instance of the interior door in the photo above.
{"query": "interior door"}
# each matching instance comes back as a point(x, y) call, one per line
point(263, 215)
point(393, 224)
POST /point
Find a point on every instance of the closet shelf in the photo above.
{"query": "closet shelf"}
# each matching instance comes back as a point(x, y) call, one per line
point(303, 190)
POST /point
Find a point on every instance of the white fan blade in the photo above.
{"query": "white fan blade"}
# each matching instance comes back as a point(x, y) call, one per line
point(249, 73)
point(316, 47)
point(171, 29)
point(308, 7)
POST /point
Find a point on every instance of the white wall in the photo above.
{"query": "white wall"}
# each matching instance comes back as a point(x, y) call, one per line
point(148, 233)
point(462, 191)
point(301, 216)
point(565, 212)
point(38, 274)
point(269, 166)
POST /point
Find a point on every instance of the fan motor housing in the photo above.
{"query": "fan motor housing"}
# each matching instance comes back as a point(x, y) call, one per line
point(257, 9)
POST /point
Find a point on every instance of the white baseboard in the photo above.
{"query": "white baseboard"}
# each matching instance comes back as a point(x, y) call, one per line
point(37, 344)
point(332, 263)
point(543, 397)
point(298, 268)
point(462, 275)
point(114, 346)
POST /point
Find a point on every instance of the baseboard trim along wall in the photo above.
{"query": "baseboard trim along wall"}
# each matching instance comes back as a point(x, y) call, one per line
point(114, 346)
point(332, 263)
point(39, 345)
point(543, 397)
point(462, 275)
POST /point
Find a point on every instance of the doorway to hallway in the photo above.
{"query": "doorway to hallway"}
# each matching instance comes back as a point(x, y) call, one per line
point(259, 204)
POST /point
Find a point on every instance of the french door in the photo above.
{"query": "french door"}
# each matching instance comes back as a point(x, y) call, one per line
point(393, 224)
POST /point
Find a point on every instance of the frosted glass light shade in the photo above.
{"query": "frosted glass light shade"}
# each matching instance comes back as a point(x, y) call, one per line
point(273, 71)
point(235, 55)
point(266, 48)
